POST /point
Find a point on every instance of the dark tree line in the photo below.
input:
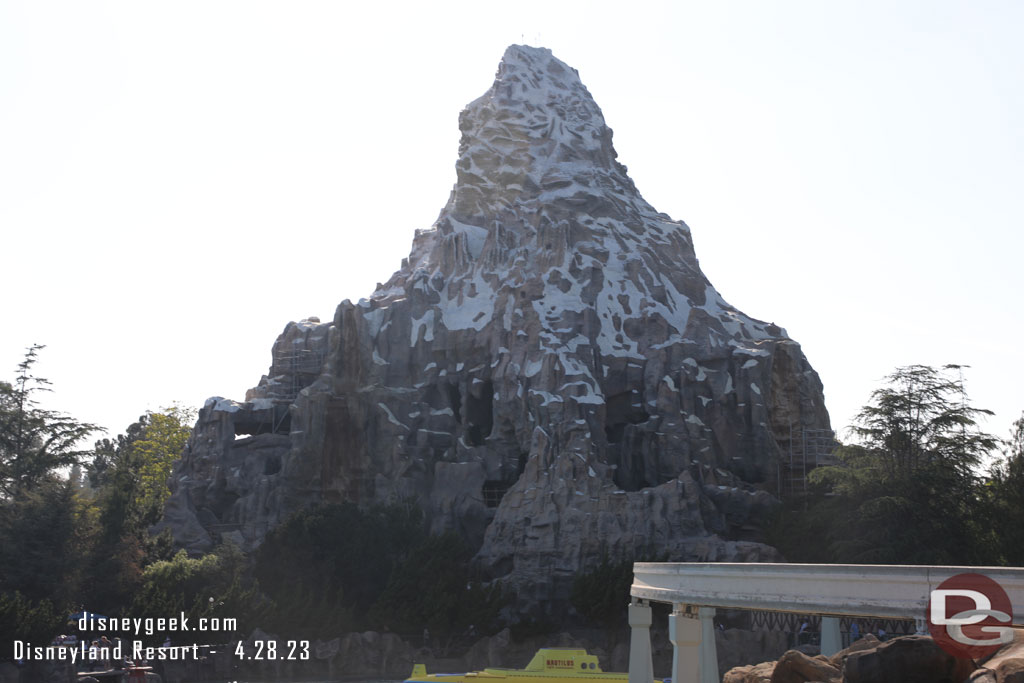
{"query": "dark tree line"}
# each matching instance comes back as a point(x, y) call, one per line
point(337, 568)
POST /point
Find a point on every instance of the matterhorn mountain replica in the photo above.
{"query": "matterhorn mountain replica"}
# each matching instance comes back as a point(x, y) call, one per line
point(549, 373)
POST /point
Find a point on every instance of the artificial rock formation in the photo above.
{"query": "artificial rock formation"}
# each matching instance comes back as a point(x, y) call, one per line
point(549, 372)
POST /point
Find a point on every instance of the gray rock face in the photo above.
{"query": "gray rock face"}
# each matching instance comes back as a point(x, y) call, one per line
point(549, 372)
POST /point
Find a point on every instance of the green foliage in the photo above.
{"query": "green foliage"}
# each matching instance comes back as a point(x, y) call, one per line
point(1005, 494)
point(131, 473)
point(39, 543)
point(326, 565)
point(130, 476)
point(40, 537)
point(211, 586)
point(922, 420)
point(32, 621)
point(799, 525)
point(34, 443)
point(336, 568)
point(909, 492)
point(433, 588)
point(600, 595)
point(161, 443)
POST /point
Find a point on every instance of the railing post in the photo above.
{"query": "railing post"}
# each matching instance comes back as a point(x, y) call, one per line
point(708, 650)
point(685, 634)
point(641, 665)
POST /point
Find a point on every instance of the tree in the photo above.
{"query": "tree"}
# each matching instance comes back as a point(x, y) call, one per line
point(130, 476)
point(154, 452)
point(326, 565)
point(923, 418)
point(210, 586)
point(598, 594)
point(34, 443)
point(433, 588)
point(39, 549)
point(33, 621)
point(39, 533)
point(1006, 498)
point(909, 490)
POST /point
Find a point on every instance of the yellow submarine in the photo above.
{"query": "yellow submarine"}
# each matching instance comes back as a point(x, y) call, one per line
point(549, 665)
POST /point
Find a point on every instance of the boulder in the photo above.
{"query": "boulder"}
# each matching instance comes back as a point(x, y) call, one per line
point(796, 667)
point(752, 673)
point(908, 659)
point(866, 642)
point(1006, 665)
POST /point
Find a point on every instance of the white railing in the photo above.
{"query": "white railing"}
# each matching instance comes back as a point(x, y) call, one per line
point(828, 589)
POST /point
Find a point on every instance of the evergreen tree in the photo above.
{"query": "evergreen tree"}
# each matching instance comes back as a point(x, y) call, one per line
point(34, 443)
point(909, 491)
point(40, 539)
point(39, 543)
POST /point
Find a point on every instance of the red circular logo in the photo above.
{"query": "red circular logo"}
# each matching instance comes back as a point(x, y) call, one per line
point(969, 615)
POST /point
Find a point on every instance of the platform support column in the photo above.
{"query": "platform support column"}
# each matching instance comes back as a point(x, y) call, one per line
point(641, 665)
point(831, 636)
point(708, 649)
point(684, 631)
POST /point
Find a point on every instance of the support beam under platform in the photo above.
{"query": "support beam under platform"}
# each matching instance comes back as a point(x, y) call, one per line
point(641, 663)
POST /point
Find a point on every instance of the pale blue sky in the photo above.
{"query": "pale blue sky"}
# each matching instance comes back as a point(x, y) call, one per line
point(178, 180)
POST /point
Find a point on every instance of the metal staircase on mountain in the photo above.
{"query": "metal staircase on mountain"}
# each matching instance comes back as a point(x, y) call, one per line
point(808, 449)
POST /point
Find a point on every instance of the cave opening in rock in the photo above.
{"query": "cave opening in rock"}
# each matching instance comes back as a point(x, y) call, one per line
point(479, 414)
point(277, 420)
point(621, 410)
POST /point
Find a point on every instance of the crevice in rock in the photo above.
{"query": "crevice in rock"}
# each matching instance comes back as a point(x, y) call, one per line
point(455, 400)
point(272, 465)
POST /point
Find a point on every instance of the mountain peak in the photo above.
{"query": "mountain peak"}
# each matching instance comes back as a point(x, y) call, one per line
point(536, 68)
point(535, 129)
point(543, 215)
